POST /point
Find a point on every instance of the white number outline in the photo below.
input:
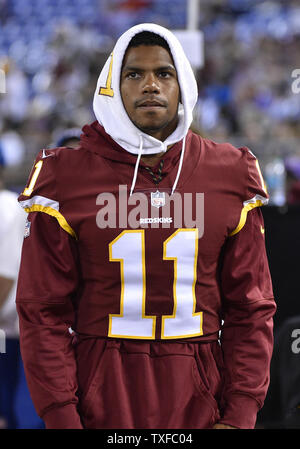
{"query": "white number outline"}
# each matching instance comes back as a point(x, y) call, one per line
point(121, 314)
point(175, 284)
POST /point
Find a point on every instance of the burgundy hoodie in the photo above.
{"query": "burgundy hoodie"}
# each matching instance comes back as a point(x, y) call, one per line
point(120, 324)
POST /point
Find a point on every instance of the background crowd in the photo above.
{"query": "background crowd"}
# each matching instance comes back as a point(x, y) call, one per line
point(52, 51)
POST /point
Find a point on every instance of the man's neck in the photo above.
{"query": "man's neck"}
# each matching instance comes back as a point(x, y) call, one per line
point(152, 159)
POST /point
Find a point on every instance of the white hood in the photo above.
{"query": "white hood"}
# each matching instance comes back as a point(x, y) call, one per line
point(110, 112)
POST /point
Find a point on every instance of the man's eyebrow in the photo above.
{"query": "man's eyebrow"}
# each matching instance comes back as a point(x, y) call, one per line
point(139, 69)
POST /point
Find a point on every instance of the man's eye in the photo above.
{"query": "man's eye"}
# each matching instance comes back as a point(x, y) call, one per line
point(132, 75)
point(164, 74)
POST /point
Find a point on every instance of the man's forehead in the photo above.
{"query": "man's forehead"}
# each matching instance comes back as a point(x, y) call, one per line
point(147, 55)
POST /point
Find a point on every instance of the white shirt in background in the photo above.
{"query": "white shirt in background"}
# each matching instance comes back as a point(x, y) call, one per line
point(12, 226)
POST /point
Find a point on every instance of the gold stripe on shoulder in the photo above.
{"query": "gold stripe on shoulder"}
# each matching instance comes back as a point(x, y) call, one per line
point(243, 217)
point(54, 213)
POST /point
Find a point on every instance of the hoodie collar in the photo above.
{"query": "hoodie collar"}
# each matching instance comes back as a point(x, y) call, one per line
point(94, 138)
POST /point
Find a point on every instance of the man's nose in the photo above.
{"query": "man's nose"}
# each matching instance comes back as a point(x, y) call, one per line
point(151, 84)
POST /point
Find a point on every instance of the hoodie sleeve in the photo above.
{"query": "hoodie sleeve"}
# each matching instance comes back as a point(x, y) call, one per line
point(248, 309)
point(46, 293)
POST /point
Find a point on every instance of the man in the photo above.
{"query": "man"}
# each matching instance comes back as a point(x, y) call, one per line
point(121, 298)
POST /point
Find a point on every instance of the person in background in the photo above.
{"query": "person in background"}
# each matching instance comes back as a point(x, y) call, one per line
point(12, 225)
point(15, 402)
point(292, 168)
point(68, 138)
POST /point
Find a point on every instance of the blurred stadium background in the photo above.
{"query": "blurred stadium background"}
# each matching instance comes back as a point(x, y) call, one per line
point(52, 51)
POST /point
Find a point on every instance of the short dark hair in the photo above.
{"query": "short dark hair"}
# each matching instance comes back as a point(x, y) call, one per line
point(148, 38)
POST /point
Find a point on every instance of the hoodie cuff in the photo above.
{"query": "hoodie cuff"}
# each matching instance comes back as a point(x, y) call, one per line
point(65, 417)
point(240, 411)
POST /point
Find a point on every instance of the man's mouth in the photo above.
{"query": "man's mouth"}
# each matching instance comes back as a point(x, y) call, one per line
point(149, 104)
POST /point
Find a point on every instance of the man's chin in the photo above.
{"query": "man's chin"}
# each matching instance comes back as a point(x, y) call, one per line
point(158, 129)
point(151, 128)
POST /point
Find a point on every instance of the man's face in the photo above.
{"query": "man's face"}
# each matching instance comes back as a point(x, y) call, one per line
point(150, 90)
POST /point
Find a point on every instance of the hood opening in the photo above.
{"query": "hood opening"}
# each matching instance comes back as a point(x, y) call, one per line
point(108, 106)
point(111, 114)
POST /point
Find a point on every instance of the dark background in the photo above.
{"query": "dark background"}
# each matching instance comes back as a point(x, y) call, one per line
point(282, 233)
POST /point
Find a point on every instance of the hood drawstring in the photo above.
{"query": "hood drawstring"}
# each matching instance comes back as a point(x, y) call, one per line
point(137, 165)
point(180, 166)
point(138, 162)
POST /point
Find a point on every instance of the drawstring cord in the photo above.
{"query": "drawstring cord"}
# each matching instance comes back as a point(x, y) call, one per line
point(137, 165)
point(138, 162)
point(179, 168)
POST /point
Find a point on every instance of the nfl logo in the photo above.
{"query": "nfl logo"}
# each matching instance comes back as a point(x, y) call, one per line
point(27, 229)
point(158, 199)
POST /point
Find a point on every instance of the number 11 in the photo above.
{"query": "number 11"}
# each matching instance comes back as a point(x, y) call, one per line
point(129, 250)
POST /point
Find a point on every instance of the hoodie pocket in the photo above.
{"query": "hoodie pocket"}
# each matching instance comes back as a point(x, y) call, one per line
point(89, 354)
point(207, 379)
